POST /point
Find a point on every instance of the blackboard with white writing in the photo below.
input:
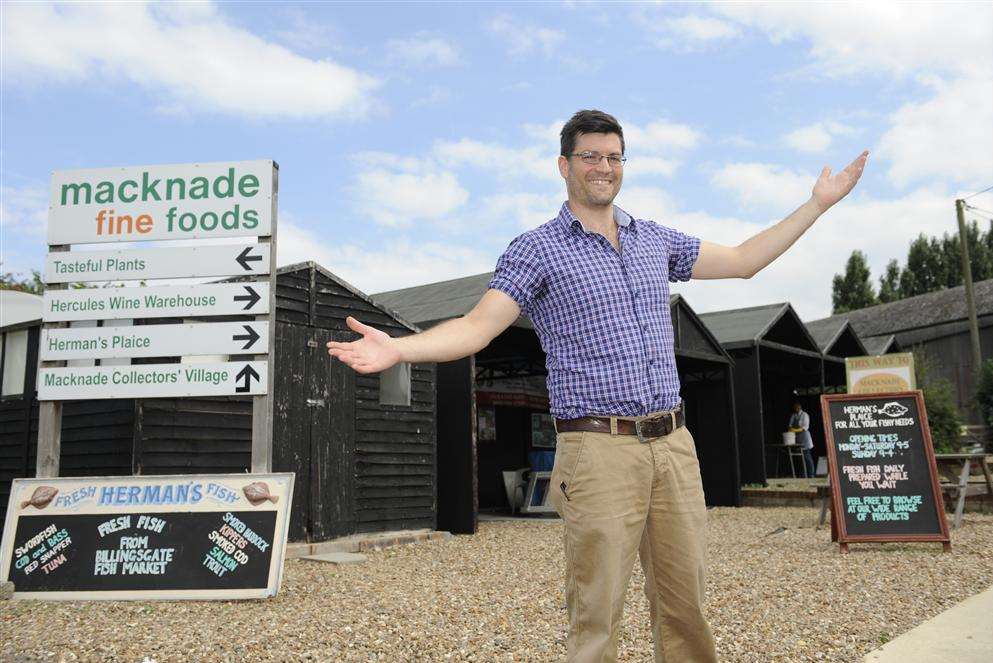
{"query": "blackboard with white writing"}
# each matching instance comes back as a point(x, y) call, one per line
point(175, 537)
point(882, 468)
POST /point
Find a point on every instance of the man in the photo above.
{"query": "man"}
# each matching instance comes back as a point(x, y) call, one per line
point(594, 282)
point(800, 424)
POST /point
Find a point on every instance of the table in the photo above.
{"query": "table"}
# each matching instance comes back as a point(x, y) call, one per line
point(951, 464)
point(792, 451)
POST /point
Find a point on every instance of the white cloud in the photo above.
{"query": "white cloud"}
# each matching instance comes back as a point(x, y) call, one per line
point(882, 228)
point(895, 38)
point(422, 51)
point(660, 136)
point(816, 137)
point(948, 137)
point(23, 212)
point(435, 96)
point(397, 264)
point(186, 52)
point(526, 210)
point(392, 198)
point(689, 33)
point(763, 185)
point(523, 39)
point(531, 161)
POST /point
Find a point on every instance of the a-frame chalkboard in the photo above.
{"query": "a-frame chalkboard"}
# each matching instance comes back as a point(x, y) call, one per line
point(882, 469)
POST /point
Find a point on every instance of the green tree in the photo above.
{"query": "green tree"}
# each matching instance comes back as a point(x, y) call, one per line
point(889, 283)
point(943, 415)
point(853, 290)
point(33, 284)
point(925, 271)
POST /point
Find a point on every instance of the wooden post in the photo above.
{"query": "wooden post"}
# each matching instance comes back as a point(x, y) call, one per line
point(262, 406)
point(970, 299)
point(50, 412)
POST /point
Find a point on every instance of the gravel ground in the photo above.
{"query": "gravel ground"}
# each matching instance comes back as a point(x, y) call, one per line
point(778, 591)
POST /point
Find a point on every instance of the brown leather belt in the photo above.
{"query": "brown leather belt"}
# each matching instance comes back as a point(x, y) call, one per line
point(648, 427)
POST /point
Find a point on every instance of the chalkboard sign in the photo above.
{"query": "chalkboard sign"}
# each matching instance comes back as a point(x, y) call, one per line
point(882, 469)
point(217, 536)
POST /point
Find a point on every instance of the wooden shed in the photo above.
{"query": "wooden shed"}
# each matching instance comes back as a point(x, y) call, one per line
point(507, 379)
point(362, 447)
point(837, 339)
point(777, 362)
point(935, 326)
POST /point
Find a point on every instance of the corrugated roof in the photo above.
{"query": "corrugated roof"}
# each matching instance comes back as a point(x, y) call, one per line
point(742, 324)
point(918, 313)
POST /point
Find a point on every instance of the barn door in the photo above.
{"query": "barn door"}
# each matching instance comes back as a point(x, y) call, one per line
point(331, 401)
point(291, 422)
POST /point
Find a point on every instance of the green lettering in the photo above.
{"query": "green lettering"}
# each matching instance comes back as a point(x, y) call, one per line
point(248, 185)
point(105, 192)
point(228, 179)
point(199, 188)
point(148, 188)
point(76, 189)
point(251, 218)
point(123, 197)
point(180, 184)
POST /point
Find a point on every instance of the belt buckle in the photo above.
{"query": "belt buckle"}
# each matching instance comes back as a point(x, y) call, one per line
point(662, 417)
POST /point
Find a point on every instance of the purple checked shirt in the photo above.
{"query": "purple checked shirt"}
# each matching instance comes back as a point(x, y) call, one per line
point(602, 316)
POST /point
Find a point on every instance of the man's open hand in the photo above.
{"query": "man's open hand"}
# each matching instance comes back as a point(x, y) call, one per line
point(372, 353)
point(828, 190)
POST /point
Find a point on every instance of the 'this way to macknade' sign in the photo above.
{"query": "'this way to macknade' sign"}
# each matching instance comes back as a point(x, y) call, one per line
point(168, 537)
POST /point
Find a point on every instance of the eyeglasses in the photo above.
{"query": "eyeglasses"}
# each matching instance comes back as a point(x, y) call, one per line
point(594, 158)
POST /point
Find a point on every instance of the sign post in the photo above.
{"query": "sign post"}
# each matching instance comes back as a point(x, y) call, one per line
point(882, 468)
point(187, 202)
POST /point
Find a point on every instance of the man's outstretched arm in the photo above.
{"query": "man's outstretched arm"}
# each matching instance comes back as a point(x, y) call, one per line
point(754, 254)
point(454, 339)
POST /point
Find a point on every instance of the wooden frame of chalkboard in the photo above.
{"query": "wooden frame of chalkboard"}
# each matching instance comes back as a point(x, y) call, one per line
point(897, 522)
point(169, 537)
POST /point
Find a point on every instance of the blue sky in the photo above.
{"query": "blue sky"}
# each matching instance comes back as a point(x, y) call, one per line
point(416, 140)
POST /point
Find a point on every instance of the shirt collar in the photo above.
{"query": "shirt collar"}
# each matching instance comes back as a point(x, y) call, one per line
point(622, 218)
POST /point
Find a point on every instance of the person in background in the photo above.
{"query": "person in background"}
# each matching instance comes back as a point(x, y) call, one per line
point(800, 424)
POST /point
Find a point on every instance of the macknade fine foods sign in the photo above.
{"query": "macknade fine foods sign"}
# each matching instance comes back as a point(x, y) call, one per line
point(214, 536)
point(183, 201)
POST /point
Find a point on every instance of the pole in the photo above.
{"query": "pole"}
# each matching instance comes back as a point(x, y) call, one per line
point(970, 299)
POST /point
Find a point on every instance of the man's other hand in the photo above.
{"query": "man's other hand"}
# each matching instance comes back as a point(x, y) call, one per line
point(828, 190)
point(372, 353)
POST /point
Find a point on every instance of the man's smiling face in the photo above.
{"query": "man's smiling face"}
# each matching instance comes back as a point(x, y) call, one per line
point(593, 185)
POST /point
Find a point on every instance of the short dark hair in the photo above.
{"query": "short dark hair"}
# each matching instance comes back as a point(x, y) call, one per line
point(589, 122)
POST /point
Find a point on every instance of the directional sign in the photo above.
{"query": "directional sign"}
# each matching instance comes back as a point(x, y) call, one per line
point(231, 378)
point(211, 338)
point(183, 201)
point(173, 262)
point(159, 302)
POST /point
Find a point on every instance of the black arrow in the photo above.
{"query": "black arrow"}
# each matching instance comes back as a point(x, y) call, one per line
point(252, 297)
point(247, 373)
point(243, 259)
point(251, 337)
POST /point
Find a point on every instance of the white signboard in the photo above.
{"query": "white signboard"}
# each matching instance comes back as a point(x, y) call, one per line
point(231, 378)
point(183, 201)
point(158, 302)
point(200, 536)
point(210, 338)
point(173, 262)
point(881, 374)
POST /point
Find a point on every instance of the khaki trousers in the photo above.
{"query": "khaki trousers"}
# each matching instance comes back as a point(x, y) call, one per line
point(619, 496)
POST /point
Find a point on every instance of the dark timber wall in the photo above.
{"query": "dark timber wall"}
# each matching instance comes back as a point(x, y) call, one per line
point(361, 466)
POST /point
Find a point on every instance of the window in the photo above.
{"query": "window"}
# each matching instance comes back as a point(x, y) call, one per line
point(15, 359)
point(394, 385)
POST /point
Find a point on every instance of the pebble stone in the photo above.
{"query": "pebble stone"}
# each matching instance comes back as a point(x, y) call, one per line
point(497, 596)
